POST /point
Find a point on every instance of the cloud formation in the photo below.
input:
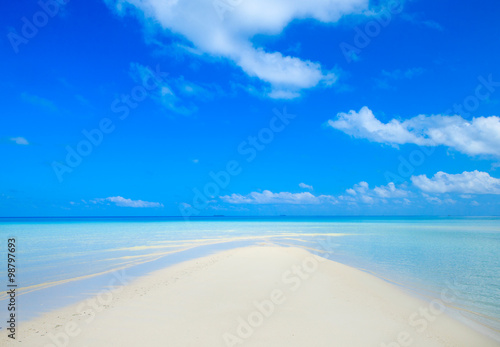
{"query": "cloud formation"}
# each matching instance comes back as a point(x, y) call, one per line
point(437, 201)
point(442, 189)
point(473, 182)
point(175, 94)
point(387, 77)
point(481, 136)
point(226, 32)
point(123, 202)
point(361, 192)
point(39, 101)
point(305, 186)
point(403, 74)
point(19, 141)
point(268, 197)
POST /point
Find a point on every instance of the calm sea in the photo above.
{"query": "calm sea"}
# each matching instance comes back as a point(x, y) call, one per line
point(61, 260)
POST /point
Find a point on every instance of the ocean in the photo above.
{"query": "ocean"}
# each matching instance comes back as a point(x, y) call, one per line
point(62, 260)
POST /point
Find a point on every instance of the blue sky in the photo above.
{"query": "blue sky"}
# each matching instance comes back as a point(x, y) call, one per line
point(190, 108)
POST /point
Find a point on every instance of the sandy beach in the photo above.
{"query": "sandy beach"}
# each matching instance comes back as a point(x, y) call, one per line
point(252, 296)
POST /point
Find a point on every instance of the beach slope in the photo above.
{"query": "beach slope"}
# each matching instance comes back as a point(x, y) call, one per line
point(253, 296)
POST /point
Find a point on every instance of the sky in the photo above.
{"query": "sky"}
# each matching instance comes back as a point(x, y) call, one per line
point(238, 107)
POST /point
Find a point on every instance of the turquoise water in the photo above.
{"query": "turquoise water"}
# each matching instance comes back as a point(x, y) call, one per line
point(422, 255)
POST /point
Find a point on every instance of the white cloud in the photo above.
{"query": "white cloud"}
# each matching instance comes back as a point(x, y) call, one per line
point(481, 136)
point(474, 182)
point(19, 141)
point(433, 199)
point(351, 191)
point(268, 197)
point(283, 94)
point(361, 188)
point(230, 38)
point(185, 205)
point(390, 191)
point(441, 190)
point(437, 201)
point(123, 202)
point(361, 192)
point(305, 186)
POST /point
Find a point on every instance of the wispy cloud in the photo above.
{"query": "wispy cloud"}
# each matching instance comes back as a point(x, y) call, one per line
point(481, 136)
point(305, 186)
point(19, 141)
point(123, 202)
point(39, 101)
point(417, 20)
point(433, 25)
point(403, 74)
point(387, 77)
point(84, 101)
point(176, 94)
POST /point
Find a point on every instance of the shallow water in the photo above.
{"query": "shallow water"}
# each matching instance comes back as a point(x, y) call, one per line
point(62, 257)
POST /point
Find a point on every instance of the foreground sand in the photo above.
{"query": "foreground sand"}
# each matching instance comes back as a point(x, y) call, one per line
point(254, 296)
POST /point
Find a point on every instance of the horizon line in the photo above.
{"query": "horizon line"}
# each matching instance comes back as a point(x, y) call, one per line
point(249, 216)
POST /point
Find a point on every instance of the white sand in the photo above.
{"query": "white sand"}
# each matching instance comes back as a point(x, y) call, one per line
point(212, 302)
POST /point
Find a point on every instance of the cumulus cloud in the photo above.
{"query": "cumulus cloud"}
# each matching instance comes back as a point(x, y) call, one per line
point(361, 192)
point(440, 190)
point(19, 141)
point(390, 191)
point(437, 201)
point(443, 190)
point(474, 182)
point(268, 197)
point(305, 186)
point(481, 136)
point(123, 202)
point(226, 32)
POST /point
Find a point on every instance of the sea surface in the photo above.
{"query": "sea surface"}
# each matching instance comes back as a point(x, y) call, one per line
point(63, 260)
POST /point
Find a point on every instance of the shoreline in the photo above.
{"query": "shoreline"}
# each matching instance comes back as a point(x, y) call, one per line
point(71, 291)
point(450, 308)
point(256, 296)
